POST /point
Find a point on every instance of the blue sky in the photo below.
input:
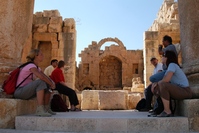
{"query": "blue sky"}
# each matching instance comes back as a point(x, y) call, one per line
point(98, 19)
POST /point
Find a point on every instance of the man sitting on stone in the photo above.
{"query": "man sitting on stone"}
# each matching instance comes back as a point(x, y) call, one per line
point(168, 46)
point(50, 68)
point(147, 91)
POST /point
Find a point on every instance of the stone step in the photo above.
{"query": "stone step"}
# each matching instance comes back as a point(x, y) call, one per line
point(29, 131)
point(102, 121)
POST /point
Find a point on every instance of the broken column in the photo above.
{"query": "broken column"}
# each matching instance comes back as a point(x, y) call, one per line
point(69, 41)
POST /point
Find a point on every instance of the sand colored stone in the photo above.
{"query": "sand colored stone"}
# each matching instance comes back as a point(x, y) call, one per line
point(112, 100)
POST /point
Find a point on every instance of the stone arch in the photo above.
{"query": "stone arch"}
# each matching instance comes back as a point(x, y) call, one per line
point(110, 73)
point(109, 39)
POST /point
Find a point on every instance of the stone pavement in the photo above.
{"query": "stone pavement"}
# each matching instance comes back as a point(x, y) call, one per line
point(119, 121)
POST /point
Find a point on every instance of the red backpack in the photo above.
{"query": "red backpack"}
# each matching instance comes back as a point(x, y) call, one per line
point(9, 85)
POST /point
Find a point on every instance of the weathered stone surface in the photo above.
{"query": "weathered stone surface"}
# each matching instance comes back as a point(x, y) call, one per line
point(113, 67)
point(39, 14)
point(10, 108)
point(90, 99)
point(102, 122)
point(150, 35)
point(54, 28)
point(55, 44)
point(79, 96)
point(41, 20)
point(56, 20)
point(133, 99)
point(45, 36)
point(40, 28)
point(137, 85)
point(127, 88)
point(51, 13)
point(15, 25)
point(112, 100)
point(189, 24)
point(190, 109)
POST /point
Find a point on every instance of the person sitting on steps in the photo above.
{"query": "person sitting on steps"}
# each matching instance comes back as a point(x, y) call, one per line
point(174, 84)
point(53, 64)
point(37, 84)
point(58, 77)
point(147, 91)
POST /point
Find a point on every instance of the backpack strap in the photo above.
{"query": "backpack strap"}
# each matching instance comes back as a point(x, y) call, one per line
point(23, 80)
point(23, 65)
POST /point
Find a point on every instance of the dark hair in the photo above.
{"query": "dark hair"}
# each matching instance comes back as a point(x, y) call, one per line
point(167, 38)
point(171, 58)
point(153, 58)
point(54, 60)
point(61, 63)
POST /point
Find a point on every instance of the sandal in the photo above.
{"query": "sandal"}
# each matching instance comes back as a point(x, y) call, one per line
point(75, 109)
point(164, 114)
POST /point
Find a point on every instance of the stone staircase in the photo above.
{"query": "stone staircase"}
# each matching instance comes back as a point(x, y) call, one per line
point(13, 114)
point(121, 121)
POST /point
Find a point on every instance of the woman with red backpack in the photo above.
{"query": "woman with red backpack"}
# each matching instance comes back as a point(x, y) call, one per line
point(35, 85)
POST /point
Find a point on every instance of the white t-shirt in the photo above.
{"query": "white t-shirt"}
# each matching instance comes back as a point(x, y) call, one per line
point(157, 68)
point(49, 70)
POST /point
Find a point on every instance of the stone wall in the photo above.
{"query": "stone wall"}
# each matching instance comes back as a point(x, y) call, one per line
point(109, 69)
point(166, 23)
point(15, 32)
point(57, 40)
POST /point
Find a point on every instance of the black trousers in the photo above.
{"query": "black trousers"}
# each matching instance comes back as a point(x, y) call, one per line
point(62, 89)
point(148, 96)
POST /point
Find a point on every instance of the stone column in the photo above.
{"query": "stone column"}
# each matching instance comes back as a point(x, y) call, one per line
point(70, 51)
point(149, 50)
point(15, 30)
point(189, 33)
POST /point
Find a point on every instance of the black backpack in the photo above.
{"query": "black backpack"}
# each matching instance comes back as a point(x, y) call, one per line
point(58, 105)
point(141, 104)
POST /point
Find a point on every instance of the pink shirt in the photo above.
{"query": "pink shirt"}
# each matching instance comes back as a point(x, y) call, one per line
point(25, 71)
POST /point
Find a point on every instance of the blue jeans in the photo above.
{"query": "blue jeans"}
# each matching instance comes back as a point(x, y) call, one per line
point(157, 77)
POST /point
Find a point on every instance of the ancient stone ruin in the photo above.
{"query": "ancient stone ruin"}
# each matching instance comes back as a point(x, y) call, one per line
point(109, 69)
point(166, 23)
point(57, 40)
point(105, 79)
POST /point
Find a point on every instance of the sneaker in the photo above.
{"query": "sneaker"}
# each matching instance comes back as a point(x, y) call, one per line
point(41, 112)
point(48, 109)
point(51, 112)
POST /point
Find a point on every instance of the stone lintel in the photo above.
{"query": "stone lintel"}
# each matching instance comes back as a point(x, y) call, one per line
point(45, 36)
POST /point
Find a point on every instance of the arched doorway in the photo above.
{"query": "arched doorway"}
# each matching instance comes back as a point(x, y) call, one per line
point(110, 73)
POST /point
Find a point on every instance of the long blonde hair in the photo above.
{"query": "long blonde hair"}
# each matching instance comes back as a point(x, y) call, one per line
point(32, 54)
